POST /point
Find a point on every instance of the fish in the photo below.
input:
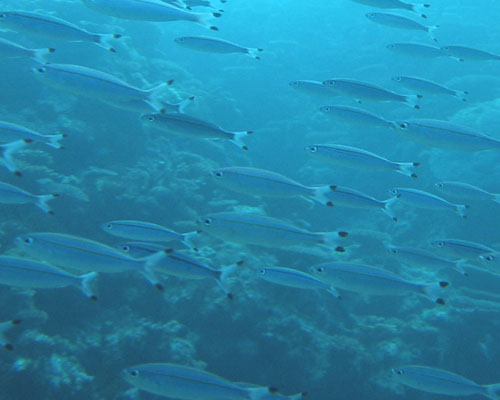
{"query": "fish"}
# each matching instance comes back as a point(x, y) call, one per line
point(85, 255)
point(464, 53)
point(396, 4)
point(32, 274)
point(357, 116)
point(53, 28)
point(183, 124)
point(446, 135)
point(146, 232)
point(150, 10)
point(215, 45)
point(10, 194)
point(372, 281)
point(260, 182)
point(10, 132)
point(439, 381)
point(201, 3)
point(265, 231)
point(10, 49)
point(346, 197)
point(314, 88)
point(492, 261)
point(465, 191)
point(366, 91)
point(4, 327)
point(419, 258)
point(98, 85)
point(187, 383)
point(461, 249)
point(398, 21)
point(294, 278)
point(358, 158)
point(419, 50)
point(7, 150)
point(426, 86)
point(421, 199)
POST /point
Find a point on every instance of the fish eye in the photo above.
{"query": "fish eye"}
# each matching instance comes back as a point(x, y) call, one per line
point(399, 372)
point(370, 15)
point(397, 78)
point(109, 226)
point(394, 251)
point(134, 372)
point(294, 83)
point(28, 240)
point(439, 185)
point(262, 272)
point(151, 118)
point(440, 244)
point(125, 248)
point(326, 108)
point(403, 125)
point(391, 46)
point(3, 16)
point(207, 221)
point(218, 174)
point(489, 258)
point(320, 269)
point(393, 191)
point(41, 69)
point(313, 149)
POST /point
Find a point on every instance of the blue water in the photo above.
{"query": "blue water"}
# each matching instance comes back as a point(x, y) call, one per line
point(112, 167)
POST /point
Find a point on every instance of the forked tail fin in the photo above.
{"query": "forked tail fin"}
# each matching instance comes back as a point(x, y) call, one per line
point(42, 200)
point(433, 291)
point(40, 54)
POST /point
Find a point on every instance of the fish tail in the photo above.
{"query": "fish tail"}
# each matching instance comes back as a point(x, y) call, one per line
point(8, 150)
point(433, 291)
point(85, 283)
point(461, 94)
point(254, 52)
point(154, 94)
point(183, 104)
point(492, 391)
point(4, 327)
point(388, 207)
point(320, 193)
point(103, 40)
point(413, 100)
point(206, 20)
point(237, 139)
point(259, 393)
point(461, 210)
point(330, 239)
point(420, 9)
point(187, 240)
point(54, 141)
point(496, 198)
point(222, 279)
point(407, 169)
point(40, 54)
point(149, 264)
point(335, 294)
point(42, 200)
point(430, 31)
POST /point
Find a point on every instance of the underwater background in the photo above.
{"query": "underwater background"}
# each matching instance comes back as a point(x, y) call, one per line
point(113, 167)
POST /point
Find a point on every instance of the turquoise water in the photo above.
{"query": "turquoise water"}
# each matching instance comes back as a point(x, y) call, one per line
point(113, 167)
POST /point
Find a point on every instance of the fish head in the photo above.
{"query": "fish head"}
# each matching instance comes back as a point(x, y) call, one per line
point(438, 243)
point(149, 118)
point(391, 46)
point(294, 83)
point(394, 192)
point(107, 226)
point(397, 78)
point(392, 250)
point(24, 240)
point(312, 149)
point(204, 222)
point(4, 16)
point(262, 271)
point(439, 185)
point(490, 258)
point(131, 374)
point(123, 247)
point(217, 173)
point(41, 70)
point(403, 125)
point(325, 109)
point(329, 83)
point(180, 40)
point(371, 15)
point(317, 269)
point(399, 371)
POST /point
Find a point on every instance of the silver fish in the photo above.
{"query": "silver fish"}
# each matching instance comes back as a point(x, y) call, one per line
point(186, 125)
point(357, 116)
point(419, 258)
point(294, 278)
point(416, 50)
point(346, 197)
point(463, 53)
point(150, 10)
point(396, 4)
point(10, 49)
point(25, 273)
point(4, 327)
point(215, 45)
point(85, 255)
point(373, 281)
point(466, 191)
point(358, 158)
point(11, 132)
point(462, 249)
point(314, 88)
point(446, 135)
point(366, 91)
point(433, 380)
point(259, 182)
point(146, 232)
point(186, 383)
point(398, 21)
point(421, 199)
point(87, 82)
point(426, 86)
point(53, 28)
point(264, 231)
point(10, 194)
